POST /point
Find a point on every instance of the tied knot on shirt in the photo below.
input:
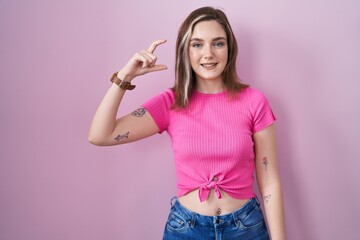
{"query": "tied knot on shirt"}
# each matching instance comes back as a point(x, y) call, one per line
point(204, 190)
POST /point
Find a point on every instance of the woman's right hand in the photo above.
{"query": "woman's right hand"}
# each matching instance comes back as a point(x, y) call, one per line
point(105, 129)
point(141, 63)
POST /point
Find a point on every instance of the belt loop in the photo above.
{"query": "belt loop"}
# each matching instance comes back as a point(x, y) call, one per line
point(172, 201)
point(236, 219)
point(193, 219)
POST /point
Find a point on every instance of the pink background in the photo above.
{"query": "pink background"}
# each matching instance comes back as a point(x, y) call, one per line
point(56, 59)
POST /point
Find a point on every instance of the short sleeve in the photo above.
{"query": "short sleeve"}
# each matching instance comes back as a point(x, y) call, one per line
point(159, 107)
point(262, 114)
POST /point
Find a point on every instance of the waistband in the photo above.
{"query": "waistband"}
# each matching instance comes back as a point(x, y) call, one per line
point(229, 218)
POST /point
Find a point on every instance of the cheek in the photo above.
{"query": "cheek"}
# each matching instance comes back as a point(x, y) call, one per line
point(191, 53)
point(193, 57)
point(225, 58)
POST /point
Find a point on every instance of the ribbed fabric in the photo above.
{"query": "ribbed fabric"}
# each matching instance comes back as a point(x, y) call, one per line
point(212, 139)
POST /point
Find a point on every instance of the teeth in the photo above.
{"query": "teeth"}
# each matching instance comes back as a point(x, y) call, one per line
point(208, 64)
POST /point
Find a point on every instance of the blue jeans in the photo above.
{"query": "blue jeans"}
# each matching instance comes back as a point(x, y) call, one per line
point(245, 223)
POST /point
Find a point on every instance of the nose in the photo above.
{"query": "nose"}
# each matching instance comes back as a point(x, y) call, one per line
point(208, 52)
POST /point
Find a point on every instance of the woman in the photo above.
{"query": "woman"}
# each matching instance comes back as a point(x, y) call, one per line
point(221, 131)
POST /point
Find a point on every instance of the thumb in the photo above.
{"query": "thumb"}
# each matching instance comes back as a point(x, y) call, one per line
point(155, 68)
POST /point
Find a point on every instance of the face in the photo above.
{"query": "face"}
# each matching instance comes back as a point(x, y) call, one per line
point(208, 51)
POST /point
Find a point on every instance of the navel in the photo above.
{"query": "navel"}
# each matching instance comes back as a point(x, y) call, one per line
point(218, 212)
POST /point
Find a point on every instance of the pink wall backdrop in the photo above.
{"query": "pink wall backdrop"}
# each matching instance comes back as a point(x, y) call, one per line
point(56, 58)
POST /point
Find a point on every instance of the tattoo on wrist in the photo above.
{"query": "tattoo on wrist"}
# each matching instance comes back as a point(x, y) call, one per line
point(139, 112)
point(265, 162)
point(267, 198)
point(119, 137)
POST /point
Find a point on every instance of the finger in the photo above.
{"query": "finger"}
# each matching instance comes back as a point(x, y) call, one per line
point(156, 68)
point(156, 43)
point(144, 59)
point(151, 58)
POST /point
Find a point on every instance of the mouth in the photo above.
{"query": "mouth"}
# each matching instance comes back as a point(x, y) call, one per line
point(208, 65)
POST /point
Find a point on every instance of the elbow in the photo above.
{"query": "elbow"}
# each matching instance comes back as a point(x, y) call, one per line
point(95, 137)
point(95, 140)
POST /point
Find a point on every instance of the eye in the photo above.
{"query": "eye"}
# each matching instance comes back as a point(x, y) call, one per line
point(196, 45)
point(219, 44)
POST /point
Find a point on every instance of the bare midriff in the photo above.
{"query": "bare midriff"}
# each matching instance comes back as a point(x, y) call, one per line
point(212, 206)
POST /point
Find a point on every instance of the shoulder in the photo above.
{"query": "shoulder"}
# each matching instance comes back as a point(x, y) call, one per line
point(166, 94)
point(165, 98)
point(255, 99)
point(169, 94)
point(253, 93)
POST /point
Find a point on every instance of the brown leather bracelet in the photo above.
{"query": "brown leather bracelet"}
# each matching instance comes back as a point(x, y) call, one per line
point(121, 83)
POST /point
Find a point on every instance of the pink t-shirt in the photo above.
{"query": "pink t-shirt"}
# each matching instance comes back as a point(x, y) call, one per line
point(212, 139)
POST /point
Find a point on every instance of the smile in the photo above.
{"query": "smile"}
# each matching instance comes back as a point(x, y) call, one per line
point(208, 65)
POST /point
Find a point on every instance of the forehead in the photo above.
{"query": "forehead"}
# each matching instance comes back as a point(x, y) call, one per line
point(208, 30)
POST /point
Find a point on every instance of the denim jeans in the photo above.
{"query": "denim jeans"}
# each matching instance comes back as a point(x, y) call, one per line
point(245, 223)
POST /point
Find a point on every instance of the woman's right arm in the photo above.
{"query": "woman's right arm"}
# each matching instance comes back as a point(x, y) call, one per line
point(105, 129)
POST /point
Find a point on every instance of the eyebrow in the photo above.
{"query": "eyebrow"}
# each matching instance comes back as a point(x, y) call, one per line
point(201, 40)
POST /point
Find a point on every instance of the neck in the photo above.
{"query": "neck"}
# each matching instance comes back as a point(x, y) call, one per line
point(209, 86)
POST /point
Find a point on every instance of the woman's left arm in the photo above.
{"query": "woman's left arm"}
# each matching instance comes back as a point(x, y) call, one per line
point(268, 179)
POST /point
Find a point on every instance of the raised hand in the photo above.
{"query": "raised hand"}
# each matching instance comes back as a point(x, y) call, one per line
point(141, 63)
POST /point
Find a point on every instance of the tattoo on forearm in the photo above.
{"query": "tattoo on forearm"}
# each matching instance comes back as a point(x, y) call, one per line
point(119, 137)
point(139, 112)
point(265, 162)
point(267, 198)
